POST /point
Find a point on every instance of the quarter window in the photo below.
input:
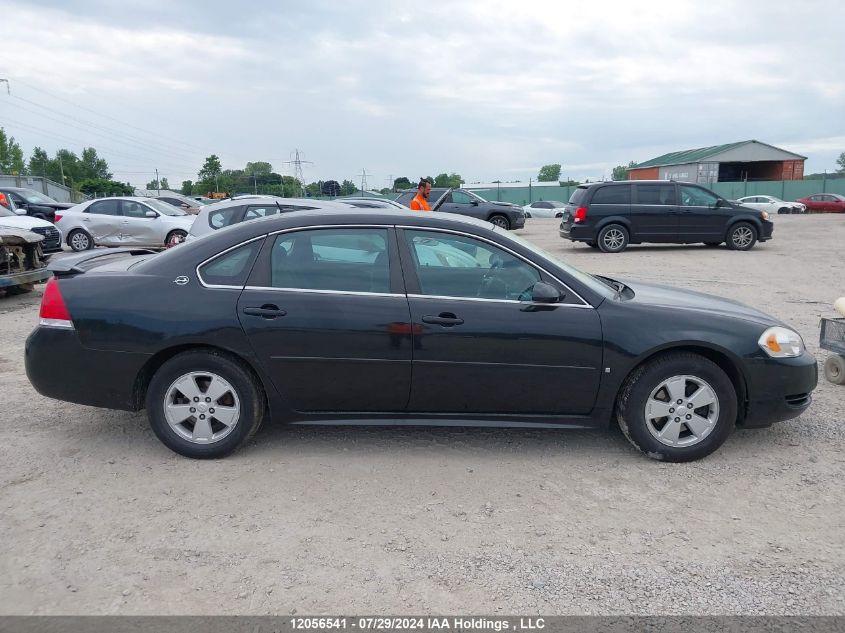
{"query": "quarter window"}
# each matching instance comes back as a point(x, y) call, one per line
point(220, 218)
point(104, 207)
point(232, 268)
point(455, 266)
point(697, 197)
point(344, 260)
point(618, 194)
point(253, 213)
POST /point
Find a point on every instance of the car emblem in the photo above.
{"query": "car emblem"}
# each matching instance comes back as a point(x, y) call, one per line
point(181, 280)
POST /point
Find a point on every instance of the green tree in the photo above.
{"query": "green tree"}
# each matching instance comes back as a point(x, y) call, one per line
point(841, 162)
point(331, 188)
point(347, 188)
point(164, 183)
point(209, 175)
point(152, 185)
point(105, 187)
point(401, 183)
point(620, 172)
point(448, 180)
point(187, 187)
point(259, 168)
point(11, 155)
point(39, 162)
point(549, 173)
point(385, 190)
point(291, 187)
point(92, 166)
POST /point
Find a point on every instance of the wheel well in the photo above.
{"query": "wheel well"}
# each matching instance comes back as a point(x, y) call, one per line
point(142, 380)
point(752, 221)
point(722, 360)
point(623, 222)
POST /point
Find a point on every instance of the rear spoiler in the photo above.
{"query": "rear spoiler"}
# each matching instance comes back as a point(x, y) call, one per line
point(78, 264)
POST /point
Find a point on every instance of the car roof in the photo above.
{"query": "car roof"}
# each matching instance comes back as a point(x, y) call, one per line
point(271, 200)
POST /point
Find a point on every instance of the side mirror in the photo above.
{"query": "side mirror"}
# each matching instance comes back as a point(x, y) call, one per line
point(185, 205)
point(721, 202)
point(474, 203)
point(151, 214)
point(541, 292)
point(20, 211)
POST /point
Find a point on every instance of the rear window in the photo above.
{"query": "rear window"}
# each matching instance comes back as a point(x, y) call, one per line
point(578, 195)
point(612, 195)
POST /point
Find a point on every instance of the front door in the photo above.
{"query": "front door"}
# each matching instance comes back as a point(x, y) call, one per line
point(461, 202)
point(701, 218)
point(103, 221)
point(326, 314)
point(137, 229)
point(480, 346)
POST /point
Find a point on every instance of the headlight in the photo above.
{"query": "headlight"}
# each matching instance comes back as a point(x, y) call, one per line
point(764, 215)
point(780, 342)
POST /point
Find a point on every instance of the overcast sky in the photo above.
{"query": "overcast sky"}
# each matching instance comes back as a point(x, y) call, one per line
point(489, 89)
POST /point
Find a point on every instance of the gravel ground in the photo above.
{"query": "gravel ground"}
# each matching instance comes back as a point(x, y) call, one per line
point(97, 517)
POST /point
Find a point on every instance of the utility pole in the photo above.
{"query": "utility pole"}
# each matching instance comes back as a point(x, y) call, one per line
point(363, 175)
point(61, 169)
point(158, 183)
point(254, 183)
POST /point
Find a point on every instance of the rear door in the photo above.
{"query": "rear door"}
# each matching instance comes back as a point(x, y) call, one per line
point(103, 221)
point(326, 313)
point(701, 219)
point(654, 212)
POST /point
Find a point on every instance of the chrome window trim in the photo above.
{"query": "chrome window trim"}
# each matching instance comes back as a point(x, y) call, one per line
point(326, 292)
point(220, 254)
point(512, 301)
point(586, 304)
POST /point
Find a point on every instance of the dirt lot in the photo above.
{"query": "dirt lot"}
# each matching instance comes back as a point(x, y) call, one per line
point(97, 517)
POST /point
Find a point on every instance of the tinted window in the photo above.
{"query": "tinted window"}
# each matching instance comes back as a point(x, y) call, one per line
point(232, 268)
point(220, 218)
point(612, 195)
point(656, 194)
point(104, 207)
point(456, 266)
point(542, 205)
point(132, 209)
point(253, 213)
point(556, 205)
point(697, 197)
point(350, 260)
point(578, 195)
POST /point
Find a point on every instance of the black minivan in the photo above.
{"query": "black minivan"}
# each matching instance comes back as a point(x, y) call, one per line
point(611, 215)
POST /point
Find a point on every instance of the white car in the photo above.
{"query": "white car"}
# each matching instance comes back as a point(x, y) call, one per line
point(52, 242)
point(124, 222)
point(213, 217)
point(544, 209)
point(771, 204)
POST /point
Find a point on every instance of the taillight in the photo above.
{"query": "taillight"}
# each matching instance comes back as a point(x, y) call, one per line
point(580, 214)
point(53, 309)
point(57, 217)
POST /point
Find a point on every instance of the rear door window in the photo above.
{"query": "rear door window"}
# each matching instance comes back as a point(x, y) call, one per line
point(656, 194)
point(104, 207)
point(232, 268)
point(612, 195)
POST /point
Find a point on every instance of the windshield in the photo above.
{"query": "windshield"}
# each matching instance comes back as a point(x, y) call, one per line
point(36, 198)
point(599, 287)
point(164, 208)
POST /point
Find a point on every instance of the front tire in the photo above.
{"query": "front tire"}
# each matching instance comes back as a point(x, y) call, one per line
point(678, 407)
point(613, 238)
point(742, 237)
point(79, 240)
point(500, 221)
point(783, 210)
point(174, 238)
point(204, 404)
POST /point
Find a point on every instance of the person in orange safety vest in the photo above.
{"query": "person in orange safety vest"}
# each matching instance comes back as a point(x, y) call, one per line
point(420, 201)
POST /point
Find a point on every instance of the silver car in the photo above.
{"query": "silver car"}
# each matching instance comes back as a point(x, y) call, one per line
point(544, 209)
point(213, 217)
point(124, 222)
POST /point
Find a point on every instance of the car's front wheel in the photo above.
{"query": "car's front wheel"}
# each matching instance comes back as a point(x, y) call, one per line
point(678, 407)
point(500, 221)
point(174, 238)
point(79, 240)
point(204, 404)
point(742, 237)
point(613, 238)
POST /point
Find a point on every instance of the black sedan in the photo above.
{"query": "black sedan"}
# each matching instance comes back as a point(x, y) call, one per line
point(37, 205)
point(377, 317)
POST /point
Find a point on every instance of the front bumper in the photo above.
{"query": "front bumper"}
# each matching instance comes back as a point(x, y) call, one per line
point(518, 222)
point(60, 367)
point(779, 389)
point(767, 230)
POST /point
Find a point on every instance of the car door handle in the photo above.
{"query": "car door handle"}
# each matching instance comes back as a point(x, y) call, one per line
point(267, 311)
point(446, 319)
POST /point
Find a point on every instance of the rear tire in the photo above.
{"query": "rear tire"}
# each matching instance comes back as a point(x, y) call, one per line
point(834, 369)
point(79, 240)
point(174, 238)
point(501, 221)
point(783, 210)
point(687, 432)
point(229, 385)
point(742, 236)
point(613, 238)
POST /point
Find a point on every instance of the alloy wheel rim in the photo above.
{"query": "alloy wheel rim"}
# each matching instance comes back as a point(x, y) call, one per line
point(742, 237)
point(682, 411)
point(614, 239)
point(80, 241)
point(500, 222)
point(201, 407)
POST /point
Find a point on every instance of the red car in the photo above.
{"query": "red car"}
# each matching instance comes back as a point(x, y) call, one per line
point(824, 203)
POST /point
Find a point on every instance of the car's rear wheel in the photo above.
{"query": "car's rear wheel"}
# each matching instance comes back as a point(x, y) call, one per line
point(613, 238)
point(742, 237)
point(79, 240)
point(678, 407)
point(500, 221)
point(834, 369)
point(204, 404)
point(175, 237)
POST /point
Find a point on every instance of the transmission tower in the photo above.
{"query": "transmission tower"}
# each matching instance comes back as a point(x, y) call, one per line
point(297, 162)
point(363, 176)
